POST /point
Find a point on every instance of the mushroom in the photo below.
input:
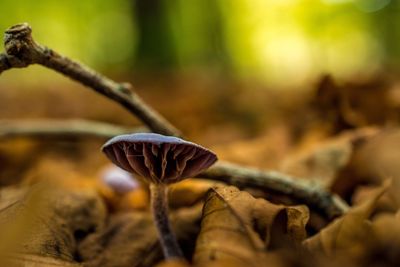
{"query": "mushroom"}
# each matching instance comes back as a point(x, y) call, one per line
point(160, 160)
point(119, 180)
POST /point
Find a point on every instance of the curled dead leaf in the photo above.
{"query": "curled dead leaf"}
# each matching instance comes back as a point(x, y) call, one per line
point(237, 227)
point(350, 233)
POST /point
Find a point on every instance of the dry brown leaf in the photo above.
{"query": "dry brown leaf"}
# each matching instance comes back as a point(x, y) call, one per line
point(385, 250)
point(183, 194)
point(217, 263)
point(280, 226)
point(135, 200)
point(350, 233)
point(371, 163)
point(174, 263)
point(130, 239)
point(356, 103)
point(386, 203)
point(189, 192)
point(59, 172)
point(323, 160)
point(239, 228)
point(263, 151)
point(64, 174)
point(47, 222)
point(28, 260)
point(16, 156)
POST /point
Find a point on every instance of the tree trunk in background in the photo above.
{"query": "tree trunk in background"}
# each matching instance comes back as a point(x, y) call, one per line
point(386, 25)
point(155, 45)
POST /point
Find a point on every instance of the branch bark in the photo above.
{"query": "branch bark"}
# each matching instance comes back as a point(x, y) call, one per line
point(22, 51)
point(62, 129)
point(305, 191)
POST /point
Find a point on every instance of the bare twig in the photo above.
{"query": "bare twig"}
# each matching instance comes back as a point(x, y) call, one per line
point(22, 51)
point(62, 129)
point(306, 191)
point(8, 62)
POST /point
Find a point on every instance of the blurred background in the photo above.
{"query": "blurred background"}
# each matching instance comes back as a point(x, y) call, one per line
point(221, 71)
point(284, 43)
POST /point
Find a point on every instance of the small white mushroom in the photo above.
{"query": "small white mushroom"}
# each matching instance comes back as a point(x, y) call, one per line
point(119, 180)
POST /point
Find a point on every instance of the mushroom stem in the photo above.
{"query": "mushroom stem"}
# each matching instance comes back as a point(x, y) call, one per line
point(159, 205)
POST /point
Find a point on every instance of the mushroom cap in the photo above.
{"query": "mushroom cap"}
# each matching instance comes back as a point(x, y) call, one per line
point(158, 158)
point(119, 180)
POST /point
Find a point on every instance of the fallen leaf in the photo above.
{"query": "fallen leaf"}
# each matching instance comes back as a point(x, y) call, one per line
point(350, 233)
point(386, 203)
point(28, 260)
point(174, 263)
point(135, 200)
point(239, 228)
point(385, 250)
point(263, 151)
point(355, 103)
point(323, 160)
point(130, 239)
point(371, 163)
point(16, 157)
point(189, 192)
point(47, 222)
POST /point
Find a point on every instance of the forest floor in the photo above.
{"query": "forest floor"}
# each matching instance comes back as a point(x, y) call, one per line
point(56, 210)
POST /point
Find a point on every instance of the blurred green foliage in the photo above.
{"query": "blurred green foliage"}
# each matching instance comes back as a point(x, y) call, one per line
point(284, 43)
point(99, 32)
